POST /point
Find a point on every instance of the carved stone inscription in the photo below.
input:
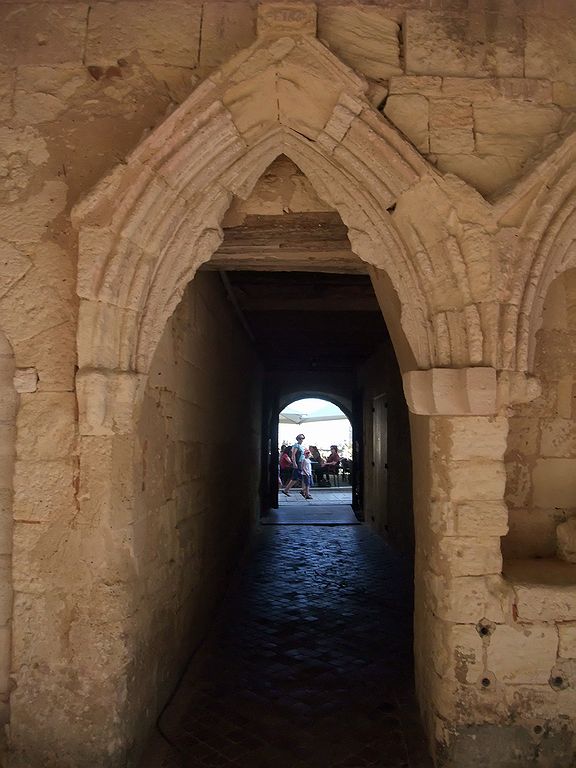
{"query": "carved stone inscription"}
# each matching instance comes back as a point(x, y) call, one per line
point(287, 18)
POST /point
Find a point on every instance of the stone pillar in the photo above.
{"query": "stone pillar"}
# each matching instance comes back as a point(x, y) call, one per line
point(8, 410)
point(460, 515)
point(92, 711)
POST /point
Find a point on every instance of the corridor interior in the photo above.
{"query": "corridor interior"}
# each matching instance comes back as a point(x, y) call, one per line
point(291, 645)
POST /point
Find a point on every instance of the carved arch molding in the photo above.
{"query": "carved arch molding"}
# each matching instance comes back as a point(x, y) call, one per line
point(148, 226)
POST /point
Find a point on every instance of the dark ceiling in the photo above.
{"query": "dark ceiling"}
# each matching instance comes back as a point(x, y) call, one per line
point(303, 294)
point(307, 320)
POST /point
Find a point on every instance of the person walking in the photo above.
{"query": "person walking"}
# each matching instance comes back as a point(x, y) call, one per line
point(306, 472)
point(285, 464)
point(297, 454)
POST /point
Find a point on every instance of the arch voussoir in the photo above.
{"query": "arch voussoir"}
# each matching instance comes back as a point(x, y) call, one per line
point(546, 247)
point(155, 220)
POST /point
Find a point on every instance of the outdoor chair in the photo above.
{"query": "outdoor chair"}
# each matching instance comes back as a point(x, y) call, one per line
point(346, 466)
point(333, 472)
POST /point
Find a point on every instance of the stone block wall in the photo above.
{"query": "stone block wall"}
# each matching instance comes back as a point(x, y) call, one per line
point(8, 409)
point(197, 481)
point(166, 517)
point(491, 675)
point(541, 453)
point(484, 91)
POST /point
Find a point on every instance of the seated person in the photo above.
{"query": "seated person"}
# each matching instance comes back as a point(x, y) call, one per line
point(317, 462)
point(329, 466)
point(333, 461)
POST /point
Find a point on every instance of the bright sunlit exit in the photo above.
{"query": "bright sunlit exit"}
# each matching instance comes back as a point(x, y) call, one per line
point(322, 422)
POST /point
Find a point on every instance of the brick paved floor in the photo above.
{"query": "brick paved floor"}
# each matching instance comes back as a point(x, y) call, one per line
point(309, 664)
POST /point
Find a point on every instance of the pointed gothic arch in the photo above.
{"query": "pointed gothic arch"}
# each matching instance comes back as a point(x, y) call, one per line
point(546, 247)
point(154, 220)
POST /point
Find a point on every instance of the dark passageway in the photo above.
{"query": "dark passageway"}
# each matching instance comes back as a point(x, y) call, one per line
point(309, 664)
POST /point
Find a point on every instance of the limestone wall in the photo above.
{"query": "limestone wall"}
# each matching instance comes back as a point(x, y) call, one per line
point(8, 409)
point(197, 461)
point(541, 455)
point(485, 91)
point(166, 516)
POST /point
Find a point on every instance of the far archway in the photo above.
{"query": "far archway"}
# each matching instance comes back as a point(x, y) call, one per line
point(328, 443)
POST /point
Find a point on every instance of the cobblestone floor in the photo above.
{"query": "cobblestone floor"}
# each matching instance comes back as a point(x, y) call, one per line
point(309, 665)
point(320, 497)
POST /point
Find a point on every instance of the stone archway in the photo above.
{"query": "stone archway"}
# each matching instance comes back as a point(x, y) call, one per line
point(546, 247)
point(147, 228)
point(339, 401)
point(137, 255)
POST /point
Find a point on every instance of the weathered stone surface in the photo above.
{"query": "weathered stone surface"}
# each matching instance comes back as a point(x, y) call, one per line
point(532, 532)
point(43, 490)
point(22, 151)
point(480, 519)
point(517, 119)
point(523, 434)
point(523, 654)
point(509, 146)
point(42, 33)
point(8, 408)
point(480, 480)
point(53, 354)
point(46, 426)
point(451, 128)
point(284, 18)
point(419, 85)
point(451, 392)
point(564, 94)
point(467, 599)
point(471, 44)
point(410, 114)
point(469, 556)
point(24, 311)
point(566, 536)
point(13, 265)
point(477, 90)
point(550, 49)
point(567, 644)
point(460, 652)
point(226, 28)
point(26, 222)
point(42, 93)
point(6, 94)
point(486, 174)
point(26, 380)
point(518, 481)
point(554, 482)
point(558, 437)
point(163, 34)
point(477, 437)
point(364, 37)
point(545, 603)
point(457, 282)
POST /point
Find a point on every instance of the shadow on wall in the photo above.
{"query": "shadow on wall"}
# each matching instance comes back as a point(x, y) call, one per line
point(194, 507)
point(26, 382)
point(541, 452)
